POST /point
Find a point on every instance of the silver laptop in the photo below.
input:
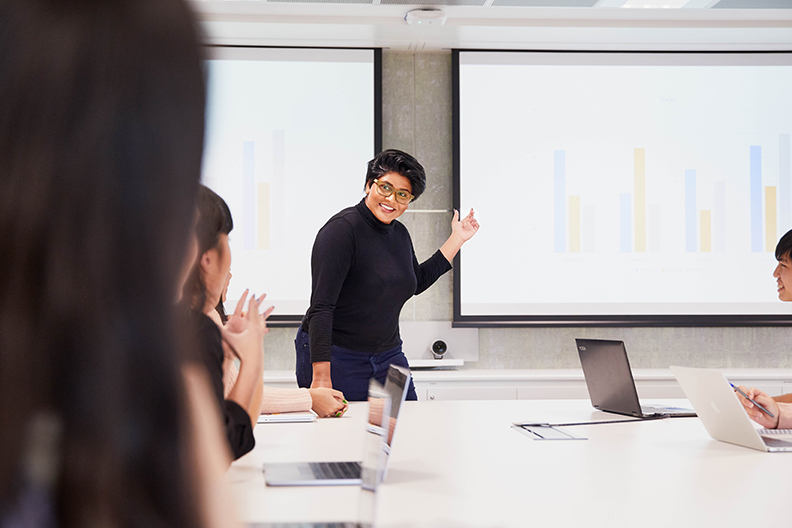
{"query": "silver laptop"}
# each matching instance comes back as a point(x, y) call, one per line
point(723, 415)
point(610, 381)
point(348, 473)
point(373, 466)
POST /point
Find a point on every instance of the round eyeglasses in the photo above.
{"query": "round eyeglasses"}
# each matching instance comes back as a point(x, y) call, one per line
point(386, 189)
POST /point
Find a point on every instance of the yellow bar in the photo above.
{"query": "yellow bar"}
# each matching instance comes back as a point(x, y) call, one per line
point(574, 224)
point(705, 219)
point(263, 212)
point(640, 200)
point(771, 222)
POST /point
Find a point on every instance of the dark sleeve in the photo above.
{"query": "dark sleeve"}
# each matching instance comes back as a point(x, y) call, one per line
point(239, 430)
point(331, 259)
point(429, 270)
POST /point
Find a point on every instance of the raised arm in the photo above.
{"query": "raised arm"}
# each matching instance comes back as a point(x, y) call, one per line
point(244, 333)
point(461, 231)
point(430, 270)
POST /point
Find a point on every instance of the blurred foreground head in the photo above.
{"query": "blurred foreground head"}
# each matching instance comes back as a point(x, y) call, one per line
point(101, 134)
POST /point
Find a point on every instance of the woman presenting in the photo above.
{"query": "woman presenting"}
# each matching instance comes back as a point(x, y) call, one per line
point(364, 269)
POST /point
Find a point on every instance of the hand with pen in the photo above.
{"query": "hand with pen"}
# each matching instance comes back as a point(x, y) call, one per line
point(752, 399)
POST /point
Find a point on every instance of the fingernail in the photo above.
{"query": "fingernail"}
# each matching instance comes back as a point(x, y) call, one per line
point(344, 401)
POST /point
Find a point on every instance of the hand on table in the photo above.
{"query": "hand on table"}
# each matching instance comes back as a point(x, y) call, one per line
point(328, 403)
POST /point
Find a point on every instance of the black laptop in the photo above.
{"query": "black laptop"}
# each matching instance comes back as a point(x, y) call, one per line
point(610, 381)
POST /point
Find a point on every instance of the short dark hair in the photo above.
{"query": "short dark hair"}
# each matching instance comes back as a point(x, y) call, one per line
point(784, 246)
point(393, 160)
point(214, 219)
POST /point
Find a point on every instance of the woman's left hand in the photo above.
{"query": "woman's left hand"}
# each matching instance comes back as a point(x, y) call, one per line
point(465, 228)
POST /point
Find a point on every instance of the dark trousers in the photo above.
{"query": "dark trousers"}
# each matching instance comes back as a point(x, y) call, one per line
point(350, 370)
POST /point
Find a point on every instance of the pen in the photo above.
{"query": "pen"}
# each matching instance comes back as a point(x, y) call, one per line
point(768, 413)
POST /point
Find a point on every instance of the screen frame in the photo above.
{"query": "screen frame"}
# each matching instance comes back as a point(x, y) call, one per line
point(614, 320)
point(294, 320)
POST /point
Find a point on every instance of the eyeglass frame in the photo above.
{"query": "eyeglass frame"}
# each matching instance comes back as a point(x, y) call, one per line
point(376, 182)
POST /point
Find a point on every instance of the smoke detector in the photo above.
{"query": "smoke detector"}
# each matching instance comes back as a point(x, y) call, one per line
point(425, 17)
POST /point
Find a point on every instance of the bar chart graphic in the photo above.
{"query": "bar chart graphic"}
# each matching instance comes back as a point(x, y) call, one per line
point(704, 228)
point(257, 195)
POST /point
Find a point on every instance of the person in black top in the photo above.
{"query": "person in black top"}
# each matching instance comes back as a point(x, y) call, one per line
point(244, 332)
point(364, 269)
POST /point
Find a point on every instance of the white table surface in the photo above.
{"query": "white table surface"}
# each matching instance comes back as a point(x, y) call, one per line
point(459, 464)
point(287, 376)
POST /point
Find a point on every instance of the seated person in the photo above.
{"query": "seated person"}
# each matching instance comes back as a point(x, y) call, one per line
point(779, 406)
point(325, 402)
point(244, 335)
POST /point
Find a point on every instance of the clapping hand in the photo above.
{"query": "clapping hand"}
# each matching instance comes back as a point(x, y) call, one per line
point(245, 331)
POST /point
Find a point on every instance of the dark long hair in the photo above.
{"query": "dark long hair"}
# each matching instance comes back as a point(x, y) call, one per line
point(101, 133)
point(214, 219)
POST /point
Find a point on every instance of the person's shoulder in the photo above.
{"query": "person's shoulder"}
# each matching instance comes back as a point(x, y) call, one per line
point(400, 230)
point(204, 325)
point(342, 222)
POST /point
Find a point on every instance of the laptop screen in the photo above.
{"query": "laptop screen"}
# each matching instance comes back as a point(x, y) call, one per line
point(608, 376)
point(396, 385)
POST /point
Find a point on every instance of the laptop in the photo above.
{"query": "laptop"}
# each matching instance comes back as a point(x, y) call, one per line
point(375, 461)
point(610, 381)
point(723, 415)
point(348, 473)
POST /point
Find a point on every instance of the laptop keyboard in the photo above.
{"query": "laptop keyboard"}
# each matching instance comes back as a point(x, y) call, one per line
point(776, 442)
point(335, 470)
point(648, 410)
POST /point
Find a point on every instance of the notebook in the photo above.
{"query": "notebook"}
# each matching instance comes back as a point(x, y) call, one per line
point(349, 473)
point(610, 381)
point(723, 415)
point(287, 417)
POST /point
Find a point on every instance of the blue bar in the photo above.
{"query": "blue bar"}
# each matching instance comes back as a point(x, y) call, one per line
point(559, 198)
point(248, 195)
point(719, 217)
point(690, 211)
point(625, 206)
point(756, 199)
point(784, 184)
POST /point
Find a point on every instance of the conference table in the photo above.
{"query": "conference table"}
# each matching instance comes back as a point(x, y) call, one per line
point(461, 464)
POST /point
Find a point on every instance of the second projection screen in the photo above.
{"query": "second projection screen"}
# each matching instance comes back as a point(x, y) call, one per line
point(623, 183)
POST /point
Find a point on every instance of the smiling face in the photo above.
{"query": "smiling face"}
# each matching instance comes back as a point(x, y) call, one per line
point(387, 209)
point(783, 275)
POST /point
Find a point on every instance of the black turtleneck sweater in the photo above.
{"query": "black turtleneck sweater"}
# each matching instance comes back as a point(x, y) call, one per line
point(363, 271)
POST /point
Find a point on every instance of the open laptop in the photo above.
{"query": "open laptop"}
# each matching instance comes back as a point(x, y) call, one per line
point(346, 473)
point(375, 461)
point(723, 415)
point(610, 381)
